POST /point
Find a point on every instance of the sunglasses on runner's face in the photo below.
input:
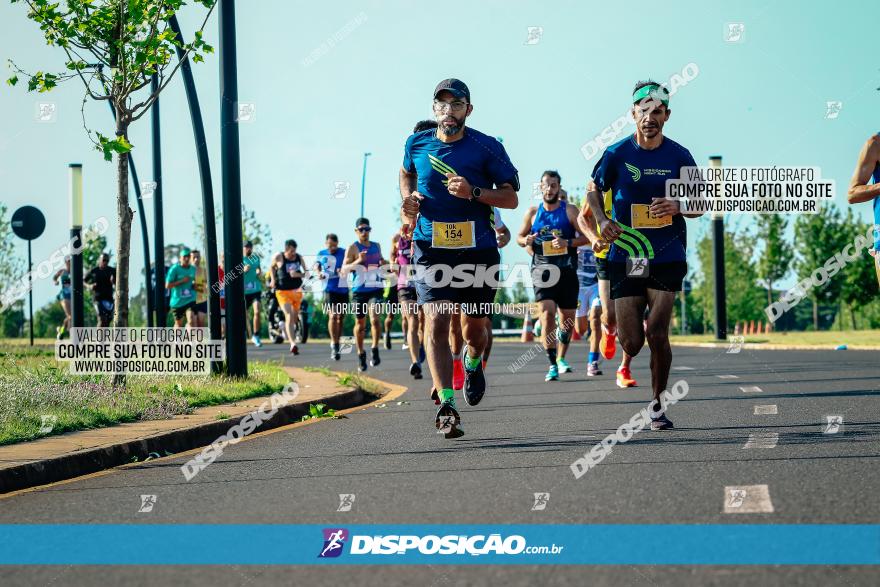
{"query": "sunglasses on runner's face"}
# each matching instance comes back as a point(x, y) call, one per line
point(364, 229)
point(456, 106)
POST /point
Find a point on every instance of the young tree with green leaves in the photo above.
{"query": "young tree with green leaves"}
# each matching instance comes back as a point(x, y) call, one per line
point(115, 48)
point(774, 261)
point(818, 237)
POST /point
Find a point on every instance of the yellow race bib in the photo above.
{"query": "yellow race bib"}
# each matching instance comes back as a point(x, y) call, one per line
point(641, 218)
point(453, 235)
point(548, 250)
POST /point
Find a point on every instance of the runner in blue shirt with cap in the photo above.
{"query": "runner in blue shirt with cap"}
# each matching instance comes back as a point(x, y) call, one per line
point(451, 178)
point(647, 261)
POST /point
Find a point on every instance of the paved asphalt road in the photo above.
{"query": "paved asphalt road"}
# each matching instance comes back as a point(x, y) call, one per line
point(521, 440)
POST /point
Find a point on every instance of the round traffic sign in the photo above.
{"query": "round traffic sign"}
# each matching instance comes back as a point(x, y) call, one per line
point(28, 223)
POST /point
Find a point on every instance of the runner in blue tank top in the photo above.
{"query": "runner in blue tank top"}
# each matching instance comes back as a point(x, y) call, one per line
point(548, 231)
point(363, 265)
point(451, 178)
point(868, 169)
point(647, 261)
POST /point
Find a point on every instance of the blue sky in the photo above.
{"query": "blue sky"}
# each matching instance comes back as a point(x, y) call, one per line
point(758, 102)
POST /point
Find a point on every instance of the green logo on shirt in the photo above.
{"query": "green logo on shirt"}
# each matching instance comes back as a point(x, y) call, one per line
point(440, 167)
point(635, 171)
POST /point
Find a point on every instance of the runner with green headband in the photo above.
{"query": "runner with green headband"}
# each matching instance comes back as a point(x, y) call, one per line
point(647, 261)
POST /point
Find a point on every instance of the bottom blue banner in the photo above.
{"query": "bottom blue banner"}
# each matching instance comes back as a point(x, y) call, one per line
point(268, 544)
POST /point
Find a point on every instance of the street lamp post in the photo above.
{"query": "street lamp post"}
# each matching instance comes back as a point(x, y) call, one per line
point(76, 263)
point(230, 165)
point(158, 215)
point(718, 266)
point(364, 182)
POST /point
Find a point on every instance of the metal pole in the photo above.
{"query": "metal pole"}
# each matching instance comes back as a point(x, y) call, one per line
point(236, 351)
point(76, 263)
point(364, 182)
point(718, 267)
point(30, 292)
point(195, 114)
point(159, 244)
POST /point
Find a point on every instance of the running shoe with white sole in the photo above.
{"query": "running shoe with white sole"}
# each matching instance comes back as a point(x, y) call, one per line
point(625, 378)
point(256, 340)
point(593, 369)
point(552, 374)
point(375, 360)
point(564, 367)
point(294, 350)
point(415, 370)
point(661, 423)
point(362, 361)
point(474, 384)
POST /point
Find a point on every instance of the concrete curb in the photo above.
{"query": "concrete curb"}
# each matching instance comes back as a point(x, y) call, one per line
point(76, 464)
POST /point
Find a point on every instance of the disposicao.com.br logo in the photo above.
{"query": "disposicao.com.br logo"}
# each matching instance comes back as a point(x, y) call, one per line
point(431, 544)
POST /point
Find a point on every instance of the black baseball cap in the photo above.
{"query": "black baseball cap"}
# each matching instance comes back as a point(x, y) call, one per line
point(249, 244)
point(454, 86)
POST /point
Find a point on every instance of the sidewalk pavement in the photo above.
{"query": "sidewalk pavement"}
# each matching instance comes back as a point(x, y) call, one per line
point(56, 458)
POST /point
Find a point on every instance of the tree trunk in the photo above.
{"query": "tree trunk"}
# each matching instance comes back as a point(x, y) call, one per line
point(769, 293)
point(124, 215)
point(852, 316)
point(815, 315)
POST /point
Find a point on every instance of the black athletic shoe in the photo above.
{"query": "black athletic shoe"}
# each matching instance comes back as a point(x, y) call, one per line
point(422, 355)
point(362, 361)
point(387, 341)
point(661, 423)
point(334, 352)
point(374, 362)
point(415, 370)
point(435, 396)
point(447, 421)
point(474, 384)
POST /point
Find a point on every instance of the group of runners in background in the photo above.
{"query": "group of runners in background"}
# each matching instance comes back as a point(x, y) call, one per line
point(609, 269)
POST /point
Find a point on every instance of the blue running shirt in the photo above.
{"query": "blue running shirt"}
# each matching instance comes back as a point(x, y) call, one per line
point(636, 176)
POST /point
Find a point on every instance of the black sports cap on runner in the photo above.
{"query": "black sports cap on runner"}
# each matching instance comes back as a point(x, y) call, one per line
point(455, 86)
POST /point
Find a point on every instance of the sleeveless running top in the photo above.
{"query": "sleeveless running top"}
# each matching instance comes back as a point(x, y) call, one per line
point(366, 278)
point(547, 225)
point(283, 280)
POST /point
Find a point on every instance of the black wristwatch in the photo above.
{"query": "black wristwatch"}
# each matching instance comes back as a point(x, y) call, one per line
point(476, 193)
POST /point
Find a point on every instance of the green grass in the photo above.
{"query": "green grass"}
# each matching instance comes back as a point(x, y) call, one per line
point(34, 389)
point(824, 338)
point(352, 380)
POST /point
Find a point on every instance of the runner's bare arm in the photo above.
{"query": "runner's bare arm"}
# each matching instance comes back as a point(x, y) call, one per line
point(859, 190)
point(276, 261)
point(394, 240)
point(581, 239)
point(352, 258)
point(410, 198)
point(525, 238)
point(504, 196)
point(609, 229)
point(502, 236)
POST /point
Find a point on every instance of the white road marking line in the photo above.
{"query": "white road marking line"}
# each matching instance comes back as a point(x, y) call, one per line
point(681, 368)
point(768, 410)
point(762, 440)
point(751, 389)
point(727, 376)
point(747, 499)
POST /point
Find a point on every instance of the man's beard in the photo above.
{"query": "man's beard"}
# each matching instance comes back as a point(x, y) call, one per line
point(451, 130)
point(548, 199)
